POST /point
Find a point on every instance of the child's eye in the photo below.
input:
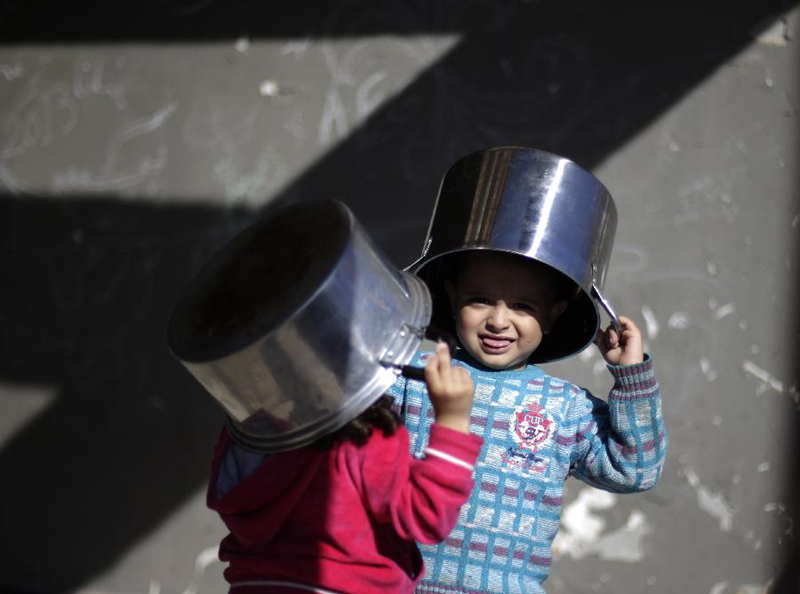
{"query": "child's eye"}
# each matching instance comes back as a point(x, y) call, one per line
point(524, 306)
point(478, 300)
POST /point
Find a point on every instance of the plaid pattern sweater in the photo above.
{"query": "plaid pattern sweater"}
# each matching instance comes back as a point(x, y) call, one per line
point(537, 431)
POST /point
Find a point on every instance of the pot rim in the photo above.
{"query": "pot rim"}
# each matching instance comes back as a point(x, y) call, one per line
point(178, 346)
point(484, 200)
point(403, 346)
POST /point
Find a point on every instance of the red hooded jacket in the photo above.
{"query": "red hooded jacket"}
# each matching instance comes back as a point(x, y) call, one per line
point(343, 520)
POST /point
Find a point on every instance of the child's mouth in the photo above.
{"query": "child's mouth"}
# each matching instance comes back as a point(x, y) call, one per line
point(495, 344)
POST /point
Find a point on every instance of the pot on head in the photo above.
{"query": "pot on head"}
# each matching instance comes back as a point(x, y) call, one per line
point(298, 325)
point(539, 206)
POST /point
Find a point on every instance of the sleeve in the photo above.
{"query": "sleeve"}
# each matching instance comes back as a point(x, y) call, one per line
point(422, 497)
point(230, 466)
point(620, 446)
point(397, 392)
point(236, 466)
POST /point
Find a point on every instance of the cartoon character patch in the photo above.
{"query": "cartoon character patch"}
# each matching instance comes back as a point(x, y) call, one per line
point(531, 427)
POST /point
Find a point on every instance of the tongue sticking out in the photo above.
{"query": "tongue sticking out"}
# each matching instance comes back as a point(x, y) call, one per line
point(496, 343)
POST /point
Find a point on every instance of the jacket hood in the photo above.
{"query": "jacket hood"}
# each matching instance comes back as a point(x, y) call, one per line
point(256, 508)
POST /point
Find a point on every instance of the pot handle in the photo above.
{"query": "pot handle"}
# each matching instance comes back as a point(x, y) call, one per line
point(431, 333)
point(598, 296)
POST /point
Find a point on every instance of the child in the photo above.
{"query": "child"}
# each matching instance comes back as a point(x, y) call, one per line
point(538, 429)
point(343, 514)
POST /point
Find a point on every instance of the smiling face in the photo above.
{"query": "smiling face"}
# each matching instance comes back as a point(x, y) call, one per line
point(503, 305)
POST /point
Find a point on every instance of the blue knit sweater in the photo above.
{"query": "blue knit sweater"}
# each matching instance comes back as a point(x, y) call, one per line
point(537, 431)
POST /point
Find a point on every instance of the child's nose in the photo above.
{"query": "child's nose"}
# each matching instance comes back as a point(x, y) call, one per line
point(498, 318)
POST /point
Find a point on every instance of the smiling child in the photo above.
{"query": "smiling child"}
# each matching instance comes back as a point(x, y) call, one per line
point(537, 430)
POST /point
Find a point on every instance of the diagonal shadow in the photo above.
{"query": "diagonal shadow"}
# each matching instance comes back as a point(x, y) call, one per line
point(787, 579)
point(90, 282)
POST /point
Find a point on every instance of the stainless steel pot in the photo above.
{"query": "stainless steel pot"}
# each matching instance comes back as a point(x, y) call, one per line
point(297, 325)
point(537, 205)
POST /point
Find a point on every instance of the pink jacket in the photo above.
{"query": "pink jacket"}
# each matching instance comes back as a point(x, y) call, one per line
point(342, 520)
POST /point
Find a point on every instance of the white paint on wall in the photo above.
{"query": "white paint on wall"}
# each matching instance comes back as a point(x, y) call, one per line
point(753, 589)
point(113, 175)
point(250, 184)
point(722, 588)
point(268, 88)
point(724, 311)
point(203, 561)
point(368, 95)
point(714, 504)
point(272, 93)
point(333, 124)
point(578, 518)
point(626, 544)
point(360, 80)
point(705, 367)
point(10, 72)
point(651, 323)
point(678, 321)
point(764, 376)
point(719, 588)
point(582, 530)
point(295, 47)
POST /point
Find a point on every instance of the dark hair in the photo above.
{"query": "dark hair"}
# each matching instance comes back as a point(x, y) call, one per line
point(380, 415)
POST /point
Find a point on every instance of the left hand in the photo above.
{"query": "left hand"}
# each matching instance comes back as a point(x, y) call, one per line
point(450, 389)
point(627, 349)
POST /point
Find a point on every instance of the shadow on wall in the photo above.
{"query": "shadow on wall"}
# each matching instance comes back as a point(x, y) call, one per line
point(788, 577)
point(129, 433)
point(89, 282)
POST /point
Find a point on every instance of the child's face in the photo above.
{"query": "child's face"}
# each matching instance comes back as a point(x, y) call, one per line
point(502, 305)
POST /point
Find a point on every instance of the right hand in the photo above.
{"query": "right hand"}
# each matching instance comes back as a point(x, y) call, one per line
point(450, 389)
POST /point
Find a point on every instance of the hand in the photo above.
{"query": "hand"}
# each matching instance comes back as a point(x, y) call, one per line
point(450, 390)
point(625, 350)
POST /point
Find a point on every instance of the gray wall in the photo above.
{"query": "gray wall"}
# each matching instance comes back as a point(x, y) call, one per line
point(133, 145)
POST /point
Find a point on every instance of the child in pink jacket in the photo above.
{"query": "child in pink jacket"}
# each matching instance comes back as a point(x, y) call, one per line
point(343, 514)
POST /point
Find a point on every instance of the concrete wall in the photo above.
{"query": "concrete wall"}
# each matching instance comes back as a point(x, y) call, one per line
point(134, 144)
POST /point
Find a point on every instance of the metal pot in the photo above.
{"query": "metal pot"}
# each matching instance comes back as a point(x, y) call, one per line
point(298, 325)
point(535, 204)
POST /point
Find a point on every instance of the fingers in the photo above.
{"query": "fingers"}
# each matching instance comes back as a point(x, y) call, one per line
point(607, 339)
point(628, 325)
point(630, 331)
point(432, 372)
point(621, 349)
point(464, 379)
point(611, 339)
point(442, 376)
point(438, 367)
point(443, 354)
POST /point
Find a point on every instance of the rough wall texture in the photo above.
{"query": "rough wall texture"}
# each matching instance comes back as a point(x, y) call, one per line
point(132, 145)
